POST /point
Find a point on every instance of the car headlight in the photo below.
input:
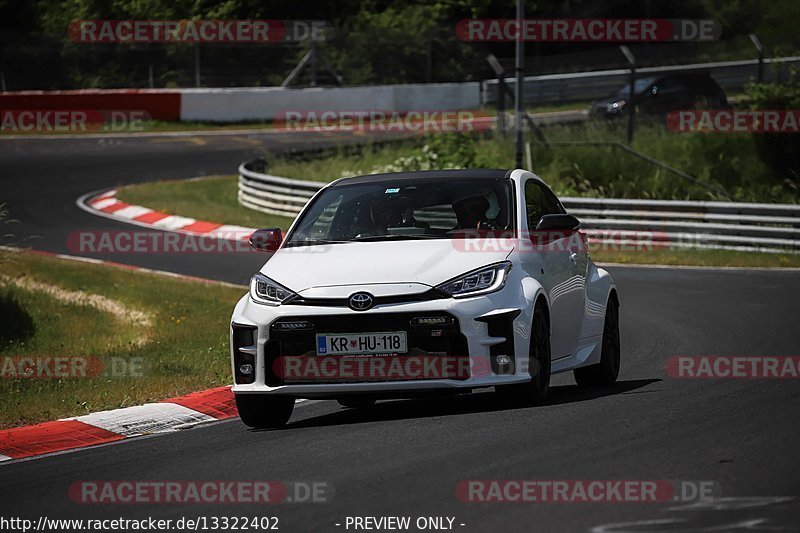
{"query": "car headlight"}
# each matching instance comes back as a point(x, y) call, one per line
point(265, 291)
point(482, 281)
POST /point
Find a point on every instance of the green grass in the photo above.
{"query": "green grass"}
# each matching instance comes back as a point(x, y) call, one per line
point(184, 349)
point(156, 126)
point(343, 162)
point(212, 199)
point(730, 163)
point(684, 257)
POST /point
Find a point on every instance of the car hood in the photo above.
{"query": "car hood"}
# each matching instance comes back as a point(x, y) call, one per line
point(415, 265)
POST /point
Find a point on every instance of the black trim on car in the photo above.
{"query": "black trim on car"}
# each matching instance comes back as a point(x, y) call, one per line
point(445, 339)
point(502, 325)
point(432, 294)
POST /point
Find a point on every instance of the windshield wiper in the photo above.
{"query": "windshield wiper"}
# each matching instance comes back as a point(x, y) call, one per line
point(399, 236)
point(312, 242)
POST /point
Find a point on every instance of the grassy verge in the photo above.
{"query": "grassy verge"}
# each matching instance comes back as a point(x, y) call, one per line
point(154, 126)
point(580, 161)
point(349, 161)
point(684, 257)
point(212, 199)
point(172, 343)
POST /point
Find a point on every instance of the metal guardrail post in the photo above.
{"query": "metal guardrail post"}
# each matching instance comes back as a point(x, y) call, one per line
point(519, 67)
point(760, 49)
point(631, 86)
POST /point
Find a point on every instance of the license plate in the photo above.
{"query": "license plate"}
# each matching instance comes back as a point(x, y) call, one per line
point(361, 343)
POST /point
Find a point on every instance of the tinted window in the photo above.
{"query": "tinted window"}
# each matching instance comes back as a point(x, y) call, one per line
point(406, 209)
point(539, 201)
point(639, 86)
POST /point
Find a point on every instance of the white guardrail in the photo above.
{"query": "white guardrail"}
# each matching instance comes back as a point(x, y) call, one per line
point(623, 223)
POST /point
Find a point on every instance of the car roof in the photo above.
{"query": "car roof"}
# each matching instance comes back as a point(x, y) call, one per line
point(488, 173)
point(686, 76)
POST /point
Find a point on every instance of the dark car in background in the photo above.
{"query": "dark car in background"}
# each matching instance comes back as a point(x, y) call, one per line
point(658, 95)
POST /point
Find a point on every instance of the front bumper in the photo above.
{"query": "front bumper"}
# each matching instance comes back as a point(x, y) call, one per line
point(483, 329)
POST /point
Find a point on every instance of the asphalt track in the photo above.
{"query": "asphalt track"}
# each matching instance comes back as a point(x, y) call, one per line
point(405, 458)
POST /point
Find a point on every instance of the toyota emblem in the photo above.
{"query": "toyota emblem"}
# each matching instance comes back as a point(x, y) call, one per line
point(361, 301)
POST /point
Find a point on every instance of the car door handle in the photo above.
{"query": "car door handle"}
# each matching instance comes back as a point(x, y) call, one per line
point(573, 256)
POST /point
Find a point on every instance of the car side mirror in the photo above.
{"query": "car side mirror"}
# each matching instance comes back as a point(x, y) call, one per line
point(266, 239)
point(559, 222)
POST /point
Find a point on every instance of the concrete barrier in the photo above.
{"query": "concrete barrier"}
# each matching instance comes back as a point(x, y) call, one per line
point(226, 105)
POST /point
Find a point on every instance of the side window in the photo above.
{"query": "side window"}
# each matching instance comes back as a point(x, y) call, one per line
point(539, 201)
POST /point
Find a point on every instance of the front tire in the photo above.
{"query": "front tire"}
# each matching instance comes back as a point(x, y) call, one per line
point(606, 371)
point(535, 391)
point(264, 412)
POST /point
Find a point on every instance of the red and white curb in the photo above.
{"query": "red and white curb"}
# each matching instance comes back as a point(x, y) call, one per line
point(103, 427)
point(108, 205)
point(109, 426)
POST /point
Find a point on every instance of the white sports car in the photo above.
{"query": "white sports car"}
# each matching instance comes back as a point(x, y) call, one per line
point(396, 285)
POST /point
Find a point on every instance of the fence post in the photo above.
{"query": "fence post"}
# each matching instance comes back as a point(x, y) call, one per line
point(520, 68)
point(429, 56)
point(631, 94)
point(501, 94)
point(760, 49)
point(197, 65)
point(501, 106)
point(313, 69)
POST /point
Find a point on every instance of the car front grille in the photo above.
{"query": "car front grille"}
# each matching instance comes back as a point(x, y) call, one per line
point(296, 337)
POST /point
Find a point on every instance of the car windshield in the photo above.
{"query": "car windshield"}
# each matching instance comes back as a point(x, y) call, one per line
point(639, 86)
point(406, 209)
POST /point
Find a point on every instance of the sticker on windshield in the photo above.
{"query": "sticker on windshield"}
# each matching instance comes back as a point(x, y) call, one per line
point(390, 191)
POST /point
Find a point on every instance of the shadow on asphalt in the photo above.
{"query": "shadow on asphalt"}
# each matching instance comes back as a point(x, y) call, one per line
point(482, 402)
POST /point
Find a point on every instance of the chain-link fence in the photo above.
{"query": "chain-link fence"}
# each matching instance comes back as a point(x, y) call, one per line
point(363, 57)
